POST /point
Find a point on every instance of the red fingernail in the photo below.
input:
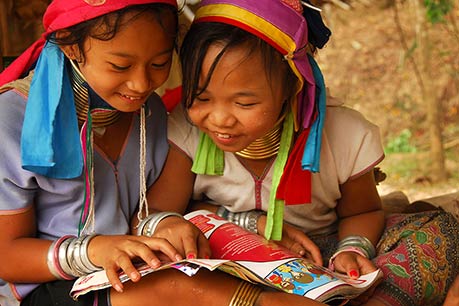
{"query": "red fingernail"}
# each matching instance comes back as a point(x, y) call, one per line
point(353, 273)
point(190, 256)
point(206, 257)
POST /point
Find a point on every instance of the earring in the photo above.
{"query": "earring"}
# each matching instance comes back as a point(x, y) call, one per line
point(95, 2)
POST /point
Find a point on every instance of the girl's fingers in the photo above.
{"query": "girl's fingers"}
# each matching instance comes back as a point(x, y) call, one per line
point(353, 264)
point(190, 246)
point(114, 280)
point(204, 250)
point(315, 255)
point(127, 248)
point(302, 245)
point(299, 249)
point(156, 244)
point(346, 262)
point(125, 264)
point(312, 250)
point(122, 264)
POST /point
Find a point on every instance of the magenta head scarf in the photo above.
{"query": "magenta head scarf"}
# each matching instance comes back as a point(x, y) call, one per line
point(62, 14)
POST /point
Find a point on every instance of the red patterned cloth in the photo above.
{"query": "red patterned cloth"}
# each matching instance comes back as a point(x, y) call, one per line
point(417, 254)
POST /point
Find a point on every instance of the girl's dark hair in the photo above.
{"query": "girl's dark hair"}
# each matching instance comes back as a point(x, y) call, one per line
point(202, 35)
point(106, 26)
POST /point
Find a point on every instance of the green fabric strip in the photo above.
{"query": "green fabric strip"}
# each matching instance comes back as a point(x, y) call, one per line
point(209, 158)
point(275, 216)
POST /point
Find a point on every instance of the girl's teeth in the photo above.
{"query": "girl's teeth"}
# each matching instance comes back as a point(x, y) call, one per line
point(226, 136)
point(131, 98)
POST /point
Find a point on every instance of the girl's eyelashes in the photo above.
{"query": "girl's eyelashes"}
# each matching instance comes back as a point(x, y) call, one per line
point(161, 65)
point(119, 68)
point(245, 104)
point(201, 99)
point(240, 104)
point(155, 66)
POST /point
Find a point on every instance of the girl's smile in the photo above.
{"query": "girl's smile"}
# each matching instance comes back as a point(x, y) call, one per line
point(133, 99)
point(224, 139)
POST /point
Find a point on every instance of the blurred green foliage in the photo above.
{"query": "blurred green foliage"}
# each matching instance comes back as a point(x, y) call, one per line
point(437, 9)
point(401, 143)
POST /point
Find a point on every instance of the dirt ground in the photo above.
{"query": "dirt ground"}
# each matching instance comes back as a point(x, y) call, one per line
point(363, 66)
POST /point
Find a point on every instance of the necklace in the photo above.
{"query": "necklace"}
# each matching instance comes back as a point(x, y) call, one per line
point(101, 117)
point(263, 147)
point(91, 120)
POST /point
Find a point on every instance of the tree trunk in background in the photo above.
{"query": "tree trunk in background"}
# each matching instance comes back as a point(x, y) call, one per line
point(429, 96)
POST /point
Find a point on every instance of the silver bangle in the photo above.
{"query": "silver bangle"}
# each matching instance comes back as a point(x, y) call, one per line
point(148, 225)
point(54, 256)
point(245, 219)
point(251, 220)
point(51, 262)
point(65, 265)
point(73, 256)
point(358, 241)
point(85, 256)
point(76, 263)
point(70, 258)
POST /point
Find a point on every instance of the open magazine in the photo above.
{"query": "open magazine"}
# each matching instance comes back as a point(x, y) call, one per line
point(250, 257)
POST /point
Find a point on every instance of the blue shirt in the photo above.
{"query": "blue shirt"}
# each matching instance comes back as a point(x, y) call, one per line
point(58, 202)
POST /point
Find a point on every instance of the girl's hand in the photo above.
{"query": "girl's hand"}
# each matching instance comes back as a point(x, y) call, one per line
point(296, 241)
point(354, 265)
point(189, 241)
point(116, 253)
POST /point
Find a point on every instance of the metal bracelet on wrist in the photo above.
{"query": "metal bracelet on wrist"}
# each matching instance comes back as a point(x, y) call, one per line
point(50, 260)
point(68, 257)
point(76, 260)
point(62, 257)
point(359, 241)
point(251, 220)
point(245, 219)
point(84, 254)
point(148, 225)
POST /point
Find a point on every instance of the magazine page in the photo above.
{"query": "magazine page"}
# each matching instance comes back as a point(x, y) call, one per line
point(99, 280)
point(270, 264)
point(252, 258)
point(229, 241)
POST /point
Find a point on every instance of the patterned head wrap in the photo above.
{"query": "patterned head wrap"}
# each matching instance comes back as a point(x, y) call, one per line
point(288, 27)
point(282, 25)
